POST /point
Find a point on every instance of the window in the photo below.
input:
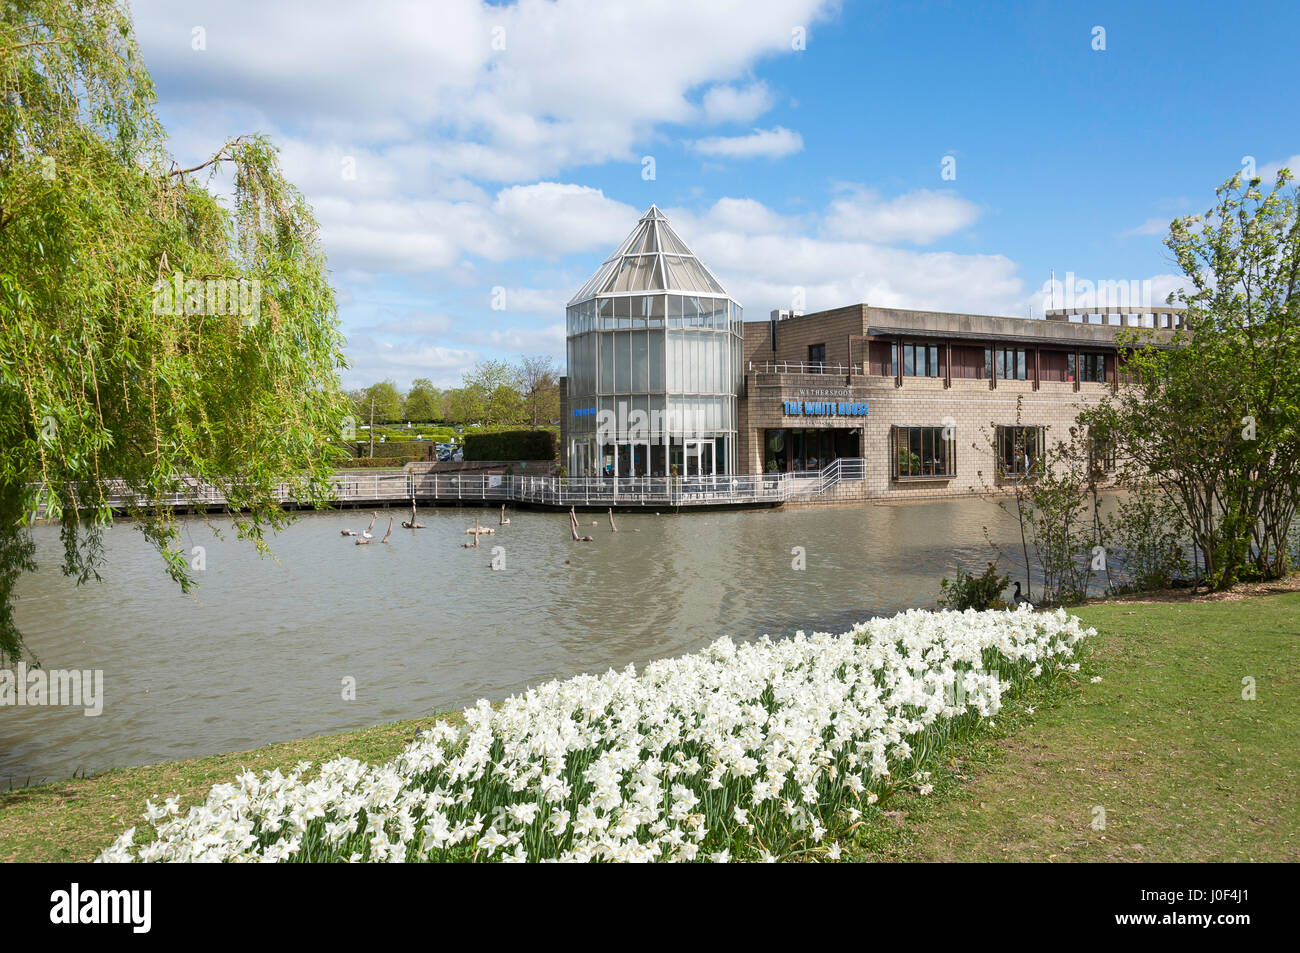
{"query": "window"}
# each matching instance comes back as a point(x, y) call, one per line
point(1094, 368)
point(1010, 362)
point(1020, 451)
point(817, 357)
point(1103, 453)
point(921, 360)
point(923, 452)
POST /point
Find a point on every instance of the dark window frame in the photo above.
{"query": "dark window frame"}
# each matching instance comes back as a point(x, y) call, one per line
point(908, 449)
point(1030, 440)
point(922, 360)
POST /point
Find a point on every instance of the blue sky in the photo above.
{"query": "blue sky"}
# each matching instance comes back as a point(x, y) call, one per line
point(455, 148)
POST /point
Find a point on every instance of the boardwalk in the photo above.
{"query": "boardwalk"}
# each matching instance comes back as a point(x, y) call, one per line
point(359, 488)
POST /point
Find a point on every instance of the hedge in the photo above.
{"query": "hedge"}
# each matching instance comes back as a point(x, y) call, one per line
point(415, 449)
point(511, 445)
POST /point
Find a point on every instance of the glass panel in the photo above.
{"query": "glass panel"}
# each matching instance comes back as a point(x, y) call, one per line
point(640, 371)
point(606, 363)
point(675, 311)
point(656, 316)
point(622, 362)
point(656, 359)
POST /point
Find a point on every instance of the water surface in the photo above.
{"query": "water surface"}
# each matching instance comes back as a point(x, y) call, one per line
point(422, 624)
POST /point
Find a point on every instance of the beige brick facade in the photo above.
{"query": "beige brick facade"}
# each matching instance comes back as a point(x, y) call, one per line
point(973, 406)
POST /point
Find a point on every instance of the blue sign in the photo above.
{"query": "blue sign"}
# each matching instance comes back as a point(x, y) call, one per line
point(825, 408)
point(584, 411)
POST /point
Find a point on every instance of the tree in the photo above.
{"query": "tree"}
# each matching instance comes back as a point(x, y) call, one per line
point(387, 403)
point(151, 338)
point(541, 389)
point(462, 405)
point(423, 403)
point(1214, 420)
point(497, 387)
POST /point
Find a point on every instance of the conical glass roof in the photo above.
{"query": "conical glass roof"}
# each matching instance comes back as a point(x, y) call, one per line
point(653, 258)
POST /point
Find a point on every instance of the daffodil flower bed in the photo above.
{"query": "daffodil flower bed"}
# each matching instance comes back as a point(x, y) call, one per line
point(765, 750)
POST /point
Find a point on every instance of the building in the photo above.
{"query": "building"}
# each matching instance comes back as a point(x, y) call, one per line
point(654, 344)
point(665, 378)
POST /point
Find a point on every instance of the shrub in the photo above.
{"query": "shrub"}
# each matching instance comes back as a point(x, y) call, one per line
point(973, 592)
point(511, 445)
point(1147, 530)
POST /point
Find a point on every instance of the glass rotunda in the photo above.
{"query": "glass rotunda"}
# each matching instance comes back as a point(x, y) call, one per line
point(654, 363)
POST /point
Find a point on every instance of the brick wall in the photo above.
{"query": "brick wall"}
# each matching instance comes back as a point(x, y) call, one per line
point(971, 407)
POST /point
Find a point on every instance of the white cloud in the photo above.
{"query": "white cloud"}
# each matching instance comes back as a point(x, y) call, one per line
point(503, 93)
point(1268, 173)
point(725, 103)
point(1152, 226)
point(761, 143)
point(918, 217)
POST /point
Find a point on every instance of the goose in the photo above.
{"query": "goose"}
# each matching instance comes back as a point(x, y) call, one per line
point(1017, 600)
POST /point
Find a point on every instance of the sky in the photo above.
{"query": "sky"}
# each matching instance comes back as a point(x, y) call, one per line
point(471, 164)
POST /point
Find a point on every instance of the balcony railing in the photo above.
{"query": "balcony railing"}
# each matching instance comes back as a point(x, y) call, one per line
point(804, 367)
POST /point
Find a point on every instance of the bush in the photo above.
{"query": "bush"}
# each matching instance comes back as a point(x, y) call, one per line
point(973, 592)
point(511, 445)
point(1148, 530)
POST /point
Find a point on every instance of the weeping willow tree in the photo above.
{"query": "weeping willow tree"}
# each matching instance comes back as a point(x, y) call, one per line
point(154, 338)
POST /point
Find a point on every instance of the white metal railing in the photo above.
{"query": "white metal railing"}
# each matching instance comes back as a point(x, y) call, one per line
point(804, 367)
point(360, 488)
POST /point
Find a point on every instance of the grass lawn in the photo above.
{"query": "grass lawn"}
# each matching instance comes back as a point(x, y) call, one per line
point(1184, 768)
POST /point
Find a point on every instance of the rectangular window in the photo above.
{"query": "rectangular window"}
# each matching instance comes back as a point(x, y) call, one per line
point(921, 360)
point(1020, 450)
point(923, 452)
point(1094, 368)
point(1011, 363)
point(817, 357)
point(1104, 455)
